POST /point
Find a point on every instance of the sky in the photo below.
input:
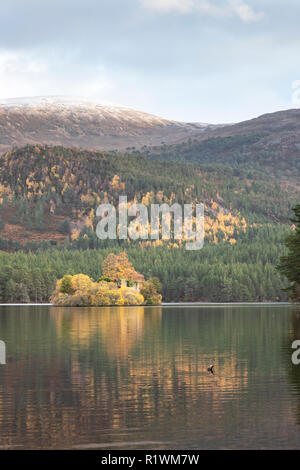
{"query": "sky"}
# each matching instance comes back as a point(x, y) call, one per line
point(212, 61)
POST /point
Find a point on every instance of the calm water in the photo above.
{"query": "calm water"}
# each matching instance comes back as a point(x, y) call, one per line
point(116, 378)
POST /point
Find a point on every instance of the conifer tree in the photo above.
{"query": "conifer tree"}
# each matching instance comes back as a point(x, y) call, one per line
point(290, 264)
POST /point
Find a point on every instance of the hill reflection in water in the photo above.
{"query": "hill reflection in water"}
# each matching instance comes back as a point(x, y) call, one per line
point(125, 377)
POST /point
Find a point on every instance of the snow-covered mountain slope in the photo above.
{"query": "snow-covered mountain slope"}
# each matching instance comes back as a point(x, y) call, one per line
point(78, 123)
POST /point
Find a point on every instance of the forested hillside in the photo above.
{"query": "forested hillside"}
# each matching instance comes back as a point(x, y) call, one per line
point(49, 197)
point(240, 152)
point(268, 145)
point(218, 273)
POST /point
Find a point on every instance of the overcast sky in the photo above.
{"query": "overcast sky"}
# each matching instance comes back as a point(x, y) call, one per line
point(191, 60)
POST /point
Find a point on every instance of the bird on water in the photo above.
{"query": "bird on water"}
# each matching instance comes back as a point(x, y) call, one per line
point(211, 369)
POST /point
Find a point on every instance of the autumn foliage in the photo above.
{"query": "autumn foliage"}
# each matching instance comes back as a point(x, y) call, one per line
point(81, 290)
point(117, 267)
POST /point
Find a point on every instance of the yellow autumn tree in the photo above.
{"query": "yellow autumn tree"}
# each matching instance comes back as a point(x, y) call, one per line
point(118, 267)
point(80, 290)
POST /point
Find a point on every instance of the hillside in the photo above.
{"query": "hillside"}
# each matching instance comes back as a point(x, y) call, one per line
point(41, 187)
point(77, 123)
point(48, 199)
point(269, 144)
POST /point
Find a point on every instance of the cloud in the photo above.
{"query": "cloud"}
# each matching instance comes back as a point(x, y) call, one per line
point(193, 60)
point(245, 12)
point(32, 75)
point(13, 66)
point(228, 9)
point(164, 6)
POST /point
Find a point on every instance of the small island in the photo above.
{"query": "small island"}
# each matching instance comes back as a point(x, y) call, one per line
point(119, 284)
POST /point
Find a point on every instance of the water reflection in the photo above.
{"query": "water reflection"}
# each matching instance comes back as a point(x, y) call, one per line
point(126, 377)
point(293, 370)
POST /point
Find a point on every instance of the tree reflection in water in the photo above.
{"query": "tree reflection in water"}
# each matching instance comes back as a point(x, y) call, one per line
point(122, 375)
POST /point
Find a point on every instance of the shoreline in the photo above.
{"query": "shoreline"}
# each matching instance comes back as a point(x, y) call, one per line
point(164, 304)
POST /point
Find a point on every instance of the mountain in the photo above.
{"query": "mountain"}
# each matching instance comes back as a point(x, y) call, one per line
point(269, 144)
point(247, 175)
point(287, 122)
point(77, 123)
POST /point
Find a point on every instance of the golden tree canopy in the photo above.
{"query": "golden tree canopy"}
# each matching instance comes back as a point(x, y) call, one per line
point(80, 290)
point(119, 267)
